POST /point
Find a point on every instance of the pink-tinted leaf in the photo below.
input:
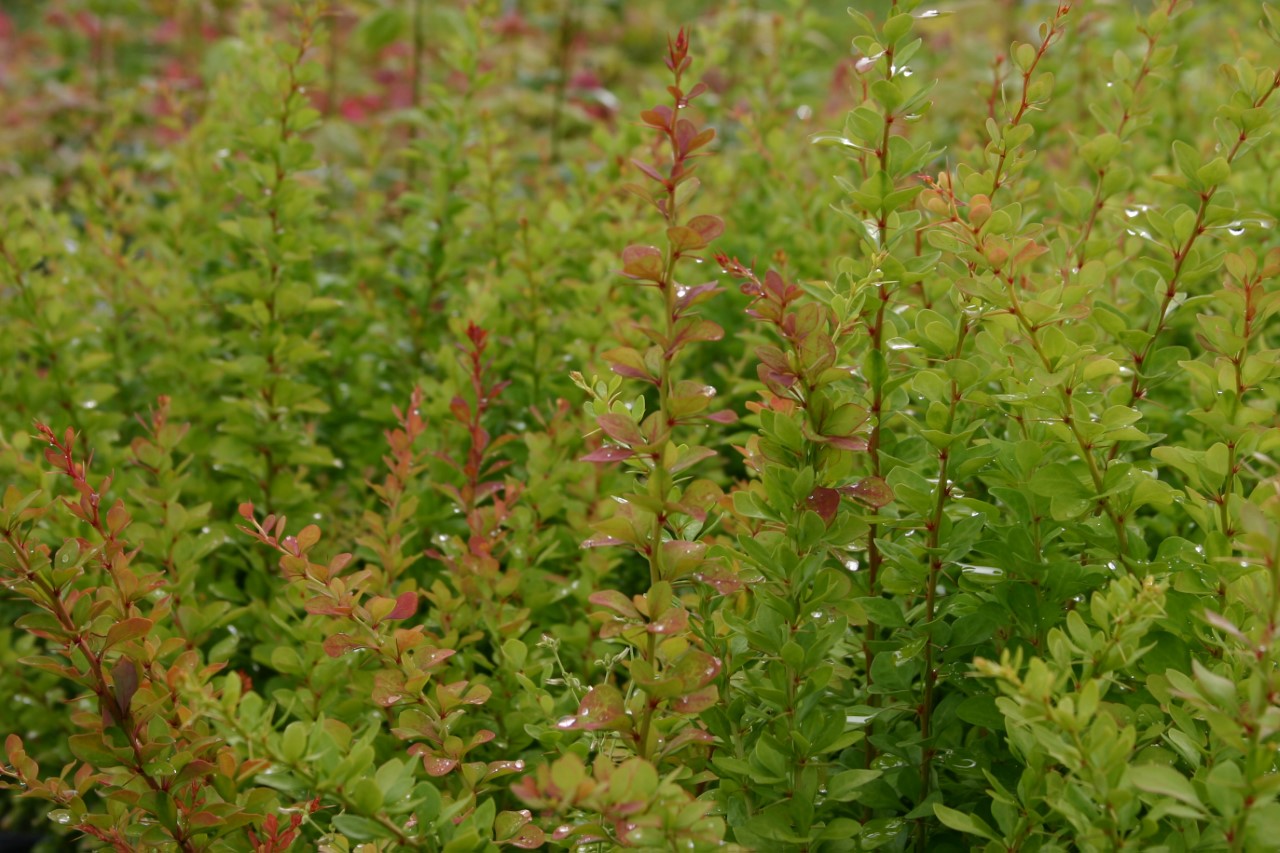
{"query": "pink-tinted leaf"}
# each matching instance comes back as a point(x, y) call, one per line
point(582, 834)
point(686, 134)
point(640, 191)
point(696, 669)
point(847, 442)
point(128, 629)
point(125, 682)
point(681, 557)
point(689, 296)
point(633, 373)
point(616, 601)
point(872, 491)
point(685, 738)
point(496, 769)
point(699, 140)
point(721, 579)
point(691, 457)
point(602, 708)
point(697, 702)
point(406, 606)
point(707, 226)
point(650, 171)
point(657, 688)
point(508, 828)
point(433, 657)
point(682, 550)
point(724, 416)
point(658, 117)
point(824, 502)
point(307, 537)
point(620, 428)
point(672, 621)
point(339, 644)
point(603, 540)
point(626, 361)
point(388, 689)
point(608, 454)
point(437, 765)
point(684, 239)
point(1225, 625)
point(698, 330)
point(642, 262)
point(529, 837)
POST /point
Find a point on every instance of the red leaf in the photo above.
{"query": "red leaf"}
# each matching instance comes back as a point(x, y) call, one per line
point(724, 416)
point(616, 601)
point(872, 491)
point(503, 768)
point(685, 239)
point(427, 660)
point(406, 606)
point(721, 579)
point(696, 669)
point(339, 644)
point(700, 140)
point(620, 428)
point(824, 502)
point(659, 117)
point(602, 540)
point(688, 296)
point(307, 537)
point(698, 330)
point(626, 361)
point(438, 765)
point(650, 171)
point(608, 454)
point(125, 679)
point(633, 373)
point(642, 262)
point(388, 689)
point(686, 737)
point(708, 227)
point(673, 621)
point(126, 630)
point(691, 457)
point(460, 409)
point(848, 442)
point(529, 837)
point(602, 708)
point(697, 702)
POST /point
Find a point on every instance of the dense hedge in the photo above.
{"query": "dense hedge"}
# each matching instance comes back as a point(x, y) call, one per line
point(442, 426)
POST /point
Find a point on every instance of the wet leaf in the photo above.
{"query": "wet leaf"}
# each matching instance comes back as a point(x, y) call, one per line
point(601, 708)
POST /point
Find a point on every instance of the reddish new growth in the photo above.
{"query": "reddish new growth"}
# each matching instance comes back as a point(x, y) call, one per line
point(480, 466)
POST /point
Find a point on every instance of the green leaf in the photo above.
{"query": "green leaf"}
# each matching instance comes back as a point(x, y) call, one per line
point(1165, 781)
point(359, 828)
point(966, 823)
point(844, 787)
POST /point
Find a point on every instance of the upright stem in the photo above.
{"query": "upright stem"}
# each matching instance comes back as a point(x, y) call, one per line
point(1137, 386)
point(933, 542)
point(874, 558)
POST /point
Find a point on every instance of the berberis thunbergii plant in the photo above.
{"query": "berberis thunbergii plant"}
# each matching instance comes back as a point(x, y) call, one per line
point(409, 441)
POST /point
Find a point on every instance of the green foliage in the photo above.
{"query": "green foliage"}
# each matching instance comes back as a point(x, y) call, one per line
point(387, 465)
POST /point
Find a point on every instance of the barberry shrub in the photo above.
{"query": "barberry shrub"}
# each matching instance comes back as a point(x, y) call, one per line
point(410, 440)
